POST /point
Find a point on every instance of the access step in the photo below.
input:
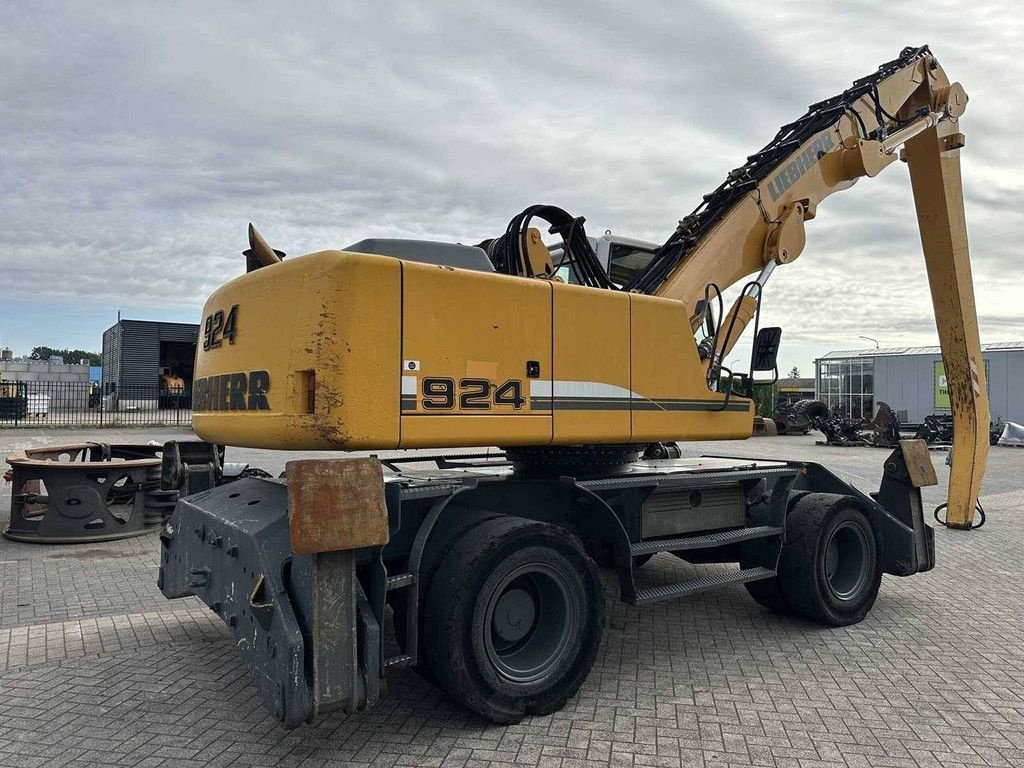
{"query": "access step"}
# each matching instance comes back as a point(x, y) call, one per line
point(717, 539)
point(397, 662)
point(703, 584)
point(399, 581)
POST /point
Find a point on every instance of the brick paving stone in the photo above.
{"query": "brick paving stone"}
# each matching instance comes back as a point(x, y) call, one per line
point(97, 669)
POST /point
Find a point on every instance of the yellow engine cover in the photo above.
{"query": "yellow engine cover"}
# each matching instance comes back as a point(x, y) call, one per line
point(339, 350)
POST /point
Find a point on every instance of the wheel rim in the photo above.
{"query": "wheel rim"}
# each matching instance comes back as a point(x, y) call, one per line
point(532, 616)
point(846, 560)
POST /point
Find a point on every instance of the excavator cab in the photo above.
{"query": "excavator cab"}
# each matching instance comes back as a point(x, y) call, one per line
point(622, 258)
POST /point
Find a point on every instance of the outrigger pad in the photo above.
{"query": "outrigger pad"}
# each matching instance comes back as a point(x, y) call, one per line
point(296, 619)
point(227, 547)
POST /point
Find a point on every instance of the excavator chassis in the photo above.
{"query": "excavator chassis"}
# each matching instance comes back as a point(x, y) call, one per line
point(308, 613)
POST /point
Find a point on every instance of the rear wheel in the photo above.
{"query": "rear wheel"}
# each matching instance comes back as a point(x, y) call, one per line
point(829, 569)
point(768, 594)
point(514, 619)
point(452, 525)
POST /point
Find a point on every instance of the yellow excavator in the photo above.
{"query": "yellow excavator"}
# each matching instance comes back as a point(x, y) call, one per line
point(584, 360)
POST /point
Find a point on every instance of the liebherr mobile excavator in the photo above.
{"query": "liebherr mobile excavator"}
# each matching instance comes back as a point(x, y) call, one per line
point(583, 363)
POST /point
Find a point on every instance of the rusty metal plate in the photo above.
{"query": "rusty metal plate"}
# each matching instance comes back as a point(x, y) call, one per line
point(87, 456)
point(919, 463)
point(336, 504)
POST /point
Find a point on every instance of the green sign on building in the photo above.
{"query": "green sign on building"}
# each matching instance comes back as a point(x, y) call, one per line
point(942, 390)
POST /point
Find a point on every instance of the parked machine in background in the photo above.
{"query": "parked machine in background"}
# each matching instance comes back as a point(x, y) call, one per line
point(488, 561)
point(174, 391)
point(881, 431)
point(13, 400)
point(798, 418)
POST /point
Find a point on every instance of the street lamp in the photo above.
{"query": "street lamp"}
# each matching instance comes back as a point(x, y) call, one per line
point(869, 339)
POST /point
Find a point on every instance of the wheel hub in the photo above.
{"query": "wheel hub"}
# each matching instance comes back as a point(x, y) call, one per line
point(530, 621)
point(514, 615)
point(846, 560)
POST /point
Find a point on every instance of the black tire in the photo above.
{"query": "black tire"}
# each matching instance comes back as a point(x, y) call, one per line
point(812, 409)
point(829, 569)
point(505, 670)
point(768, 594)
point(452, 524)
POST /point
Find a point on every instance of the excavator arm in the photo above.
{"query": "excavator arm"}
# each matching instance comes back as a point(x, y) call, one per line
point(755, 220)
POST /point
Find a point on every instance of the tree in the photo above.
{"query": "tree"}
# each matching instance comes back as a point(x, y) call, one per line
point(794, 372)
point(765, 397)
point(71, 356)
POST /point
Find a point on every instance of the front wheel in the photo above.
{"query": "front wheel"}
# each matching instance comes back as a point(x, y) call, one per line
point(514, 619)
point(829, 569)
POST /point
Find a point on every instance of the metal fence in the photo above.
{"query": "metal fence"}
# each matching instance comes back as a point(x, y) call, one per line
point(82, 404)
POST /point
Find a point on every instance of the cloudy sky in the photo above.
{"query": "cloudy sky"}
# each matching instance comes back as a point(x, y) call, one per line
point(139, 139)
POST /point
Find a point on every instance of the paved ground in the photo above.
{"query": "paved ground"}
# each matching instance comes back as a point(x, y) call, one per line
point(96, 668)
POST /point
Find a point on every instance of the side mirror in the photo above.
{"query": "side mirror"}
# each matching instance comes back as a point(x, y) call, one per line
point(766, 349)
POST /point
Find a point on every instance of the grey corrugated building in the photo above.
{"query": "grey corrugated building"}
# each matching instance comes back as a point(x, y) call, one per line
point(912, 381)
point(137, 352)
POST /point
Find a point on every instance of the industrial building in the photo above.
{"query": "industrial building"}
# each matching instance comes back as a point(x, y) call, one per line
point(136, 353)
point(912, 381)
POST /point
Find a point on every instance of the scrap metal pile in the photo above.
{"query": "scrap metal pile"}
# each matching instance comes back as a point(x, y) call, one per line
point(937, 430)
point(883, 431)
point(798, 418)
point(804, 415)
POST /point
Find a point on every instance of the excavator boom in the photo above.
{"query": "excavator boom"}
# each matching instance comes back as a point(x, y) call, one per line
point(755, 219)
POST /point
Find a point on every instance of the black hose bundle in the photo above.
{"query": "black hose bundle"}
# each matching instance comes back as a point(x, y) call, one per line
point(741, 181)
point(508, 252)
point(977, 505)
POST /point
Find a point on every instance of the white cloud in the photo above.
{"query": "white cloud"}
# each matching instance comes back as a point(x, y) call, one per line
point(139, 140)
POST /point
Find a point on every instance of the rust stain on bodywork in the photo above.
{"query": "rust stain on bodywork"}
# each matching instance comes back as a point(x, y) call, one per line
point(336, 504)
